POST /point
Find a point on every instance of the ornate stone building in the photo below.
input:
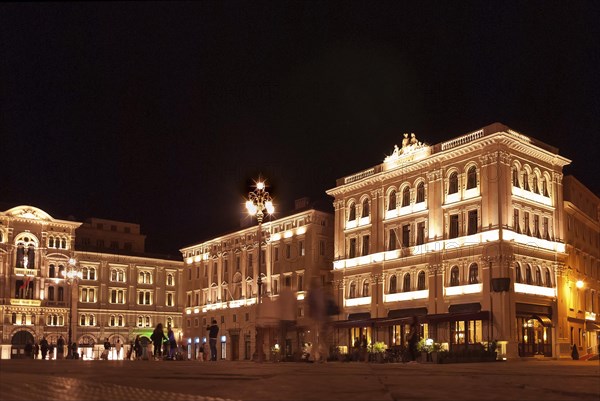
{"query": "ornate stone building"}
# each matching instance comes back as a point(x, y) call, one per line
point(469, 236)
point(122, 292)
point(220, 282)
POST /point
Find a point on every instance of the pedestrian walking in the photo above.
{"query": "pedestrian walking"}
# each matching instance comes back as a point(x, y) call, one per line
point(137, 347)
point(413, 338)
point(60, 348)
point(118, 347)
point(106, 349)
point(172, 343)
point(36, 350)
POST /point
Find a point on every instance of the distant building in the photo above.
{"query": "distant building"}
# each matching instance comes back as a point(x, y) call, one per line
point(468, 235)
point(118, 296)
point(220, 282)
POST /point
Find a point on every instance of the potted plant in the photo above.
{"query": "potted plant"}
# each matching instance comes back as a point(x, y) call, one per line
point(435, 350)
point(377, 350)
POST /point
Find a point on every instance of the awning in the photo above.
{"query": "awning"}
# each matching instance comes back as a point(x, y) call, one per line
point(453, 317)
point(339, 324)
point(409, 312)
point(465, 308)
point(545, 320)
point(592, 326)
point(359, 316)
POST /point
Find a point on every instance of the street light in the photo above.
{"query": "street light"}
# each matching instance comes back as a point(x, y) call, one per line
point(71, 274)
point(259, 201)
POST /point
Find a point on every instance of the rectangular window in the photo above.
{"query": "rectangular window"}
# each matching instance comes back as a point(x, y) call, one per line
point(406, 235)
point(392, 240)
point(421, 233)
point(516, 225)
point(536, 226)
point(322, 248)
point(472, 228)
point(527, 228)
point(352, 248)
point(301, 248)
point(117, 296)
point(288, 251)
point(276, 254)
point(546, 228)
point(365, 245)
point(300, 283)
point(453, 226)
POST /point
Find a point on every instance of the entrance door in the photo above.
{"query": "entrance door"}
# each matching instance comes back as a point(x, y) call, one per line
point(18, 344)
point(535, 338)
point(235, 347)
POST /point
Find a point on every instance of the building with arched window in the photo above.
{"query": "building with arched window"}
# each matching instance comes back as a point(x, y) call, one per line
point(487, 219)
point(295, 248)
point(36, 300)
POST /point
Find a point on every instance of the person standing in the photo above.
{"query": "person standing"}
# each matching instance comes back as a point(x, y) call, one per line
point(118, 347)
point(157, 337)
point(106, 349)
point(36, 350)
point(213, 332)
point(60, 348)
point(44, 347)
point(172, 343)
point(413, 338)
point(137, 347)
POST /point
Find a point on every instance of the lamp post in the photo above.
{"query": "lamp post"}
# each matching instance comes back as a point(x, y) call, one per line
point(71, 274)
point(259, 201)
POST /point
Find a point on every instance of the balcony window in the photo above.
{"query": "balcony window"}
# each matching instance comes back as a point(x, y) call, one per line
point(472, 177)
point(453, 183)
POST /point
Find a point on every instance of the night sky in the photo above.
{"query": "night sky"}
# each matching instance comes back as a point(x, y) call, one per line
point(162, 113)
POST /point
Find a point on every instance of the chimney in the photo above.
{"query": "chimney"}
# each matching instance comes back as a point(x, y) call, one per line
point(301, 203)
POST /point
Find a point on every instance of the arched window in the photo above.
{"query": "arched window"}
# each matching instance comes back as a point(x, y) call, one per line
point(51, 293)
point(406, 283)
point(544, 187)
point(91, 320)
point(538, 276)
point(472, 177)
point(393, 240)
point(52, 271)
point(51, 242)
point(525, 181)
point(352, 212)
point(64, 244)
point(420, 192)
point(120, 320)
point(454, 278)
point(140, 321)
point(528, 276)
point(515, 177)
point(352, 293)
point(141, 277)
point(61, 271)
point(392, 200)
point(365, 208)
point(112, 320)
point(421, 281)
point(170, 280)
point(61, 292)
point(518, 273)
point(169, 321)
point(548, 280)
point(405, 196)
point(365, 288)
point(82, 320)
point(92, 274)
point(393, 287)
point(473, 274)
point(453, 183)
point(534, 185)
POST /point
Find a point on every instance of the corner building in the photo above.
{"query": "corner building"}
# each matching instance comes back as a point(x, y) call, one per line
point(123, 292)
point(468, 235)
point(220, 283)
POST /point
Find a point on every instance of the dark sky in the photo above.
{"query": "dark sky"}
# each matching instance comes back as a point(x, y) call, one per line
point(162, 113)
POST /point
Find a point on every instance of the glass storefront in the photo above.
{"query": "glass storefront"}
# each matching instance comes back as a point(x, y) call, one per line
point(535, 338)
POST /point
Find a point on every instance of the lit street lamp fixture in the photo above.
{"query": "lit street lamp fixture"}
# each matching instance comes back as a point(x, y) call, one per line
point(258, 202)
point(71, 275)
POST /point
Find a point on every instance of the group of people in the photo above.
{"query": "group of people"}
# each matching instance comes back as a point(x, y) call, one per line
point(47, 349)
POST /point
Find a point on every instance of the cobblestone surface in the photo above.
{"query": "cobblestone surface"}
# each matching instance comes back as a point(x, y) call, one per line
point(248, 381)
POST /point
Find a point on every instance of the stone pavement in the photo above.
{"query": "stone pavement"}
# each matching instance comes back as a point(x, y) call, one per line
point(249, 381)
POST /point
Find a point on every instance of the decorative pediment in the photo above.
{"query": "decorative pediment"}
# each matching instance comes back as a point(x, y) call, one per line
point(29, 212)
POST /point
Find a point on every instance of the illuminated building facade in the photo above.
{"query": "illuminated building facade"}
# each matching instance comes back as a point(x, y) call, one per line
point(469, 236)
point(220, 282)
point(122, 292)
point(579, 289)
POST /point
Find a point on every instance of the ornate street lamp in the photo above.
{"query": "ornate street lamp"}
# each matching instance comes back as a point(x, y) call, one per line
point(71, 275)
point(259, 201)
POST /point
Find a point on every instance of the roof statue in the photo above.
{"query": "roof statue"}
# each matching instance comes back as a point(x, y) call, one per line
point(409, 145)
